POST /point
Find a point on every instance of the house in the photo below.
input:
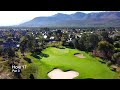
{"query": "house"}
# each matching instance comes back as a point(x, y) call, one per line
point(52, 38)
point(18, 45)
point(37, 38)
point(45, 36)
point(78, 36)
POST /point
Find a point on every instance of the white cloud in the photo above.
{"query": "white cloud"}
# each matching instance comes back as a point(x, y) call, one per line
point(16, 17)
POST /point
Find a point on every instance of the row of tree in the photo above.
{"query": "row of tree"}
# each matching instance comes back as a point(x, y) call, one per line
point(101, 45)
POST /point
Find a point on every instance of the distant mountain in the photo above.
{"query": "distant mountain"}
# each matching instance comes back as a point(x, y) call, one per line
point(78, 19)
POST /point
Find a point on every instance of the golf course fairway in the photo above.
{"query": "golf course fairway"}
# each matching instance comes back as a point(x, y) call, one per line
point(64, 59)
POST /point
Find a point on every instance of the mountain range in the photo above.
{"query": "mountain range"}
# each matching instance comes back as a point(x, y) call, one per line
point(78, 19)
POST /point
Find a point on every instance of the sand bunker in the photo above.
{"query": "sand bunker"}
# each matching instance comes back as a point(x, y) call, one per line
point(59, 74)
point(79, 55)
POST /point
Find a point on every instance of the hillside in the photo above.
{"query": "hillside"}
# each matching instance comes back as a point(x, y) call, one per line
point(78, 19)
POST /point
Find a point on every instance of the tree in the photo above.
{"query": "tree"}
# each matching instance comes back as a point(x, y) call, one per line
point(116, 58)
point(39, 44)
point(106, 48)
point(91, 42)
point(75, 43)
point(88, 42)
point(117, 44)
point(116, 38)
point(58, 35)
point(30, 43)
point(105, 36)
point(81, 42)
point(23, 46)
point(1, 50)
point(10, 52)
point(64, 39)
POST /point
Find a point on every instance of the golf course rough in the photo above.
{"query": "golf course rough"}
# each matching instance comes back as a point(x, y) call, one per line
point(65, 59)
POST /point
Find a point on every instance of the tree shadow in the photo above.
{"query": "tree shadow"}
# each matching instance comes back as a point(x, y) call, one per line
point(39, 55)
point(17, 75)
point(44, 55)
point(27, 59)
point(88, 78)
point(76, 53)
point(31, 76)
point(35, 55)
point(70, 47)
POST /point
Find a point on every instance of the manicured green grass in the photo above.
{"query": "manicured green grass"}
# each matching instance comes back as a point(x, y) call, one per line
point(64, 59)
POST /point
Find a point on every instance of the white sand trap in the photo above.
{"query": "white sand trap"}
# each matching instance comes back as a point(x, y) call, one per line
point(80, 55)
point(59, 74)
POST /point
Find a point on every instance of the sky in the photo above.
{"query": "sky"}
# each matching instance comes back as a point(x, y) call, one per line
point(8, 18)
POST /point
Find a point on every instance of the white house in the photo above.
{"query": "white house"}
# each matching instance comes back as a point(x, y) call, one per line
point(45, 36)
point(18, 45)
point(51, 37)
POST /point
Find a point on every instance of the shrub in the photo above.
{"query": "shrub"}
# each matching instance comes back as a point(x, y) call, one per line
point(113, 69)
point(109, 63)
point(116, 58)
point(16, 55)
point(30, 72)
point(16, 63)
point(1, 68)
point(117, 49)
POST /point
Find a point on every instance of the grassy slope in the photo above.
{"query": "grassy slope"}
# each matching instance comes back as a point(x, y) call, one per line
point(64, 59)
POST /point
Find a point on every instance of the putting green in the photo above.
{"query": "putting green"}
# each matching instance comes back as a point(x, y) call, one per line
point(64, 59)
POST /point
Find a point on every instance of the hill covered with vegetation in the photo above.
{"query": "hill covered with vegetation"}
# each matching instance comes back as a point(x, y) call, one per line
point(78, 19)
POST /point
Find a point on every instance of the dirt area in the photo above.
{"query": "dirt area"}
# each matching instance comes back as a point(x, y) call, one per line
point(79, 55)
point(4, 75)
